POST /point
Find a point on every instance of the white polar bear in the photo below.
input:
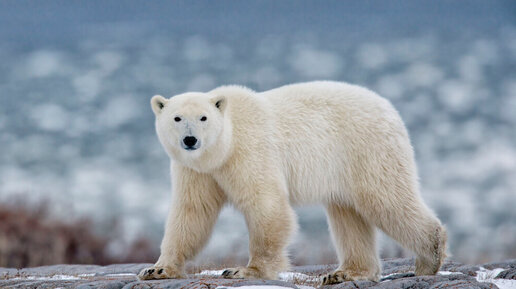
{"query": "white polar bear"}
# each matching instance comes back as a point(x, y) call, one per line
point(324, 142)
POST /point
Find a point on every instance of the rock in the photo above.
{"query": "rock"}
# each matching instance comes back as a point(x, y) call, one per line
point(505, 264)
point(508, 274)
point(398, 273)
point(408, 280)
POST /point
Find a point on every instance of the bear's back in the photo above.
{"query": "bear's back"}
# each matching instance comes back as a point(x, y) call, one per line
point(321, 128)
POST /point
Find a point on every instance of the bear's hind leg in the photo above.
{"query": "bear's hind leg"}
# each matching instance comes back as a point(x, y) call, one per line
point(355, 242)
point(409, 221)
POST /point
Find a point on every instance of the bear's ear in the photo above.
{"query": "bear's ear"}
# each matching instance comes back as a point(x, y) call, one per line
point(219, 102)
point(157, 103)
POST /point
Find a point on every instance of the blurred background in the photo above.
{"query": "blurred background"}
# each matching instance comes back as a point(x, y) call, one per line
point(83, 178)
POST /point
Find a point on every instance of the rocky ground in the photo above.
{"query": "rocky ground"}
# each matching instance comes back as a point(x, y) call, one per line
point(397, 273)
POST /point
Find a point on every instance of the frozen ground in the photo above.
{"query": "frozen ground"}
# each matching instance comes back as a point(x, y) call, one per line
point(398, 273)
point(77, 129)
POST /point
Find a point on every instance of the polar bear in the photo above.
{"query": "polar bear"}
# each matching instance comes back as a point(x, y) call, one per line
point(332, 143)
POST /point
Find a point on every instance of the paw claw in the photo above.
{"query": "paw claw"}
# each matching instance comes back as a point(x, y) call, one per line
point(158, 273)
point(334, 278)
point(236, 273)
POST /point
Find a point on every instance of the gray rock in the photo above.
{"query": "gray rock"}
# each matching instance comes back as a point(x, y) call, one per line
point(508, 274)
point(505, 264)
point(118, 276)
point(103, 284)
point(59, 270)
point(263, 282)
point(399, 265)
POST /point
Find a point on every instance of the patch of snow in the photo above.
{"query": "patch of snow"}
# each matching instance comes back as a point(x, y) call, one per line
point(87, 275)
point(388, 275)
point(292, 276)
point(485, 275)
point(120, 275)
point(255, 287)
point(449, 273)
point(210, 272)
point(48, 278)
point(283, 276)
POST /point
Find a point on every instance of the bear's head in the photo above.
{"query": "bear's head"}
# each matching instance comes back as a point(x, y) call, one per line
point(191, 127)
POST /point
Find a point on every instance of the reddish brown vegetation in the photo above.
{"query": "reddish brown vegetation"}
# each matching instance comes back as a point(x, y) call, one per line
point(30, 237)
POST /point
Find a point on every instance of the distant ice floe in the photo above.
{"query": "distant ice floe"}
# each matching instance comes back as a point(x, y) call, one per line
point(202, 82)
point(315, 63)
point(50, 117)
point(372, 55)
point(44, 63)
point(118, 110)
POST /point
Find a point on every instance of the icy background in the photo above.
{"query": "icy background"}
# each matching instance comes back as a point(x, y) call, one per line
point(76, 127)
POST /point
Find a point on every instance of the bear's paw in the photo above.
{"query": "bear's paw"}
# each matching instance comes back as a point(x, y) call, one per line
point(159, 273)
point(242, 273)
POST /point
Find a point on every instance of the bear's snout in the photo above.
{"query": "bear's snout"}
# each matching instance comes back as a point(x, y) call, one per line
point(189, 142)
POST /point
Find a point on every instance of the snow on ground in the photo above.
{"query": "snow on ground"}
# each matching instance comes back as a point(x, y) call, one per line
point(295, 276)
point(48, 278)
point(449, 273)
point(283, 276)
point(121, 275)
point(257, 287)
point(210, 273)
point(485, 275)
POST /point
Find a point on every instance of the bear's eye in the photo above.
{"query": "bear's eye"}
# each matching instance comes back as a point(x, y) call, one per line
point(204, 118)
point(177, 119)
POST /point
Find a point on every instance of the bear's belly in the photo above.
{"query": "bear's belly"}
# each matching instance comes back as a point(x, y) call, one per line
point(314, 179)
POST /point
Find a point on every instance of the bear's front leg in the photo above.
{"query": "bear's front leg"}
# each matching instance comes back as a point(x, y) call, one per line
point(196, 205)
point(271, 221)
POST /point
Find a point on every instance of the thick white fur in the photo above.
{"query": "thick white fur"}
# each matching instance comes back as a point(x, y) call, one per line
point(319, 142)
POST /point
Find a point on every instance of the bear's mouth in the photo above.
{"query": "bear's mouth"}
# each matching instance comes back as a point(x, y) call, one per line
point(190, 148)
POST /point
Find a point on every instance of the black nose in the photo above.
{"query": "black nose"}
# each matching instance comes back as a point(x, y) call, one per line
point(189, 141)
